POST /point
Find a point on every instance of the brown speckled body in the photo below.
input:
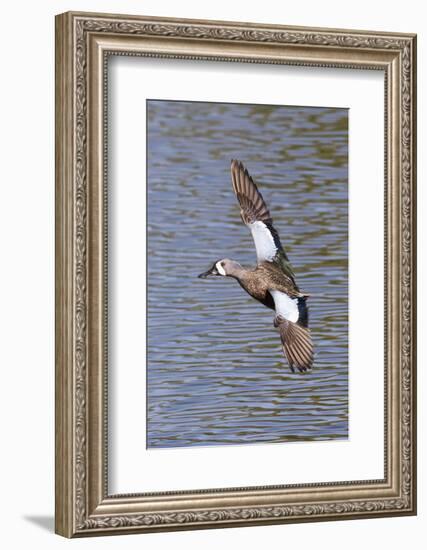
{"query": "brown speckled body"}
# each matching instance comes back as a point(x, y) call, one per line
point(264, 277)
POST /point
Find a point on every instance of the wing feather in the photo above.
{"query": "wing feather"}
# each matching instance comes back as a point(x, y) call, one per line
point(252, 204)
point(296, 343)
point(256, 215)
point(296, 339)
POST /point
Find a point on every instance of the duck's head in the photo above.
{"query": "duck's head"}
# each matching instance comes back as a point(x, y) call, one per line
point(221, 268)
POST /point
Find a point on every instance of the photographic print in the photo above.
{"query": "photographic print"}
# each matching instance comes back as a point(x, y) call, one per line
point(247, 247)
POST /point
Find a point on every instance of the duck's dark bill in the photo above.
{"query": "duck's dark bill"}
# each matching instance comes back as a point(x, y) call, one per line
point(210, 272)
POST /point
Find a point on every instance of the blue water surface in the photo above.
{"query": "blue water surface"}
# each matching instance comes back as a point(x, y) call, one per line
point(215, 371)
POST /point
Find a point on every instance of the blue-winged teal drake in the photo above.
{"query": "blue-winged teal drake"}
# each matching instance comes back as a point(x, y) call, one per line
point(272, 281)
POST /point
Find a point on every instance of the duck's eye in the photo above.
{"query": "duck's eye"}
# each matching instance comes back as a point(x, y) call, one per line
point(222, 264)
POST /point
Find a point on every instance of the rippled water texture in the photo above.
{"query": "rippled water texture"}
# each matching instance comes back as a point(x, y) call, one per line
point(216, 373)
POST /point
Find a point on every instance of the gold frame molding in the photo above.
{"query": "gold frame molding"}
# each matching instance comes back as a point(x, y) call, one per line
point(83, 43)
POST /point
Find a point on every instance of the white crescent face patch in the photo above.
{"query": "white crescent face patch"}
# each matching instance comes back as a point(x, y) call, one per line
point(220, 269)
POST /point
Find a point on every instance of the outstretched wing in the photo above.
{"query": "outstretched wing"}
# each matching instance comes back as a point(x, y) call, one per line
point(291, 320)
point(256, 216)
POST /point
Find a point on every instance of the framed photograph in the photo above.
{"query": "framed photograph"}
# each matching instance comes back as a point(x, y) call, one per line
point(235, 274)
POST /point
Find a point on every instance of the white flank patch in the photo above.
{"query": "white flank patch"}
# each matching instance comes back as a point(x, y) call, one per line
point(220, 269)
point(264, 242)
point(285, 306)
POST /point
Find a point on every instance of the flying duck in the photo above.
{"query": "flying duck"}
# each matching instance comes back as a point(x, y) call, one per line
point(272, 281)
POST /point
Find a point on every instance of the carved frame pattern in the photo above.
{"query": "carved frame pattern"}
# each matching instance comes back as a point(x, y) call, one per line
point(83, 506)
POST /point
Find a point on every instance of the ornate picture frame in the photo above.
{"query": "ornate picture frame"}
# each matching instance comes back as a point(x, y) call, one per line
point(84, 506)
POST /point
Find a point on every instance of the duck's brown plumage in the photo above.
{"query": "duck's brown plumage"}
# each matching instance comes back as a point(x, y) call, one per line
point(264, 277)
